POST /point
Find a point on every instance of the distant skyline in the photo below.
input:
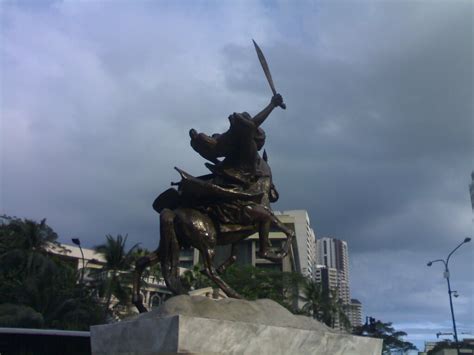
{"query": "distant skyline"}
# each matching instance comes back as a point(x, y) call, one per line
point(97, 98)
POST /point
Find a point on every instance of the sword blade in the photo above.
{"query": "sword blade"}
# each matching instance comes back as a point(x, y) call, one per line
point(265, 68)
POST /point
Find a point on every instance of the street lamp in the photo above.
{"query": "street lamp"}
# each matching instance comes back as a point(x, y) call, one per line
point(446, 276)
point(78, 243)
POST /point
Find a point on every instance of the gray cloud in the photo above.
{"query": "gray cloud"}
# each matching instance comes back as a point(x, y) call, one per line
point(376, 143)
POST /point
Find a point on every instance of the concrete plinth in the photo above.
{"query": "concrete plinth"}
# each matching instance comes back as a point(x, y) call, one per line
point(198, 325)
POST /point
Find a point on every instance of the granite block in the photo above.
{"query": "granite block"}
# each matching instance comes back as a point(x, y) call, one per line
point(234, 327)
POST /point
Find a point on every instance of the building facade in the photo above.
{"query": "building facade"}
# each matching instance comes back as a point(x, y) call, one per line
point(354, 312)
point(89, 264)
point(305, 248)
point(332, 255)
point(332, 271)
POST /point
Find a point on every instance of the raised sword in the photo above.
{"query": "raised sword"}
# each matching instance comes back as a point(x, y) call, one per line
point(266, 70)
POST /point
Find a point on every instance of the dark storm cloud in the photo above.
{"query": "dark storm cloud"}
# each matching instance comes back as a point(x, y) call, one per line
point(387, 168)
point(379, 134)
point(376, 143)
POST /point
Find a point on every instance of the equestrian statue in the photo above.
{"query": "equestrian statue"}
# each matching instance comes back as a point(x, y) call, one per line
point(227, 205)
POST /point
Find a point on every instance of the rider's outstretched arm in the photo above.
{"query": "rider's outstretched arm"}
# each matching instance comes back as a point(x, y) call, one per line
point(259, 118)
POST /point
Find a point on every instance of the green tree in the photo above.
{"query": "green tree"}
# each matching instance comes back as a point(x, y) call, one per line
point(25, 242)
point(36, 288)
point(392, 339)
point(113, 279)
point(194, 279)
point(256, 283)
point(323, 304)
point(252, 283)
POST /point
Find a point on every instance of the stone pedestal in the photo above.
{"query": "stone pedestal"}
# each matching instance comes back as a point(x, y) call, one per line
point(199, 325)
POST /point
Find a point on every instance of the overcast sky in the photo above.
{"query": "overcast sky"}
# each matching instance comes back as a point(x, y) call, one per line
point(376, 144)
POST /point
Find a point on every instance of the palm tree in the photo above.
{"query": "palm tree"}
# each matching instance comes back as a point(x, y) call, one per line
point(23, 258)
point(37, 289)
point(313, 298)
point(323, 304)
point(392, 338)
point(115, 274)
point(25, 242)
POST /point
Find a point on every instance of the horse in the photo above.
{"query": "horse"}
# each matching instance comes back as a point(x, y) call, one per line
point(183, 224)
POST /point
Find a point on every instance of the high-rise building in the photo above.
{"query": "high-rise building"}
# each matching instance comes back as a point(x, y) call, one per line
point(354, 312)
point(333, 254)
point(332, 271)
point(327, 276)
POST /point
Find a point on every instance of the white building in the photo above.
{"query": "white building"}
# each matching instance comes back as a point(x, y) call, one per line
point(73, 255)
point(355, 312)
point(89, 262)
point(332, 271)
point(333, 254)
point(305, 242)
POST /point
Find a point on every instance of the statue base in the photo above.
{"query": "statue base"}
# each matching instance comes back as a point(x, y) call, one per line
point(199, 325)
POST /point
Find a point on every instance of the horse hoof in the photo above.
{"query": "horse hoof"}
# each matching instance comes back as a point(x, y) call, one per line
point(141, 308)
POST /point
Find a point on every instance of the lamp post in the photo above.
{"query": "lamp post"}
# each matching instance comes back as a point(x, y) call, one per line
point(446, 276)
point(78, 243)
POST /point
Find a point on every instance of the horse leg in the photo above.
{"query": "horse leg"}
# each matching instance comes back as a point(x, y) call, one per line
point(265, 217)
point(263, 232)
point(174, 274)
point(290, 235)
point(199, 231)
point(211, 272)
point(140, 265)
point(168, 251)
point(232, 258)
point(263, 252)
point(170, 269)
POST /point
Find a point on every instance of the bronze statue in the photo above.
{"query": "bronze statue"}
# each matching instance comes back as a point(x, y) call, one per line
point(224, 207)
